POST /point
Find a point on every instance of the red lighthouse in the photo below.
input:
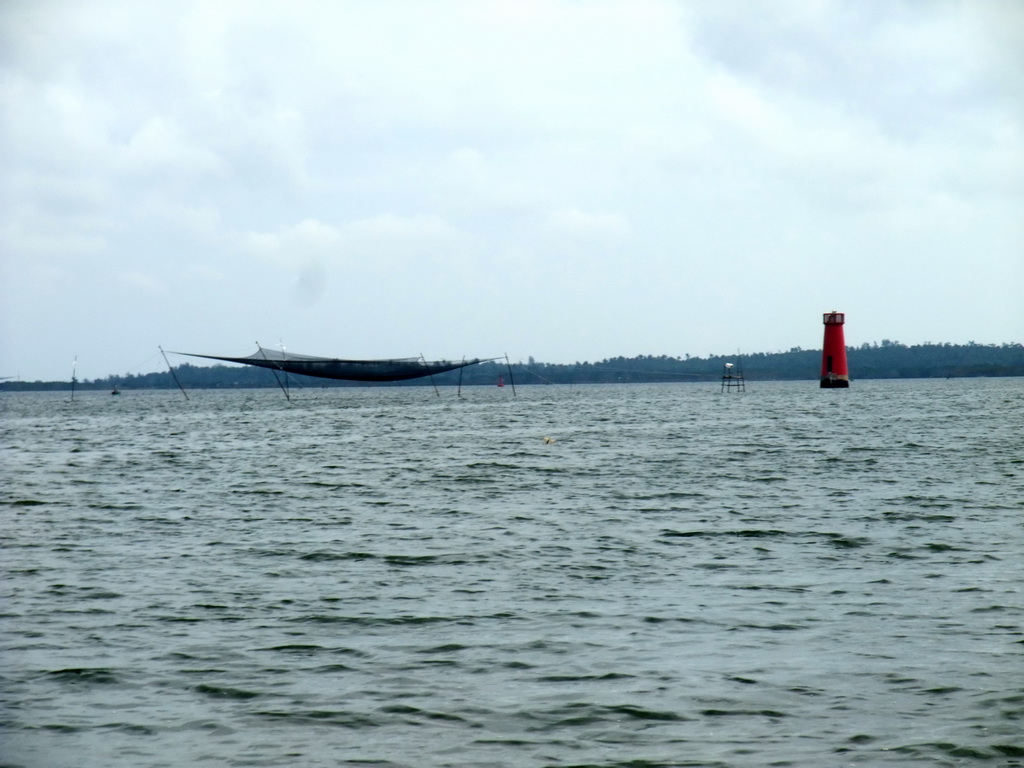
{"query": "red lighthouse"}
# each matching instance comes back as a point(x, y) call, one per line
point(833, 355)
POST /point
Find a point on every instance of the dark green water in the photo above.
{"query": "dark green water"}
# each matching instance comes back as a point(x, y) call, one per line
point(382, 577)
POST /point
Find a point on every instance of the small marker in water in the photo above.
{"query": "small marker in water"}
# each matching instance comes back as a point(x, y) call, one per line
point(548, 440)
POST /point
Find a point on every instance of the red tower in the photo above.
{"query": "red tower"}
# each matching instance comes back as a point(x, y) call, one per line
point(833, 354)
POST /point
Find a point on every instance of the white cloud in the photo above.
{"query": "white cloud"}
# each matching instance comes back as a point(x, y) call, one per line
point(142, 282)
point(584, 155)
point(388, 226)
point(159, 146)
point(583, 224)
point(203, 273)
point(374, 237)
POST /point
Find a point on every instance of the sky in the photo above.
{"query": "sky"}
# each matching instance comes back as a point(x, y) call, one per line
point(569, 180)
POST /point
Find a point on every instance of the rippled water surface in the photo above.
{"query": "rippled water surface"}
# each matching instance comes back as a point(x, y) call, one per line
point(388, 577)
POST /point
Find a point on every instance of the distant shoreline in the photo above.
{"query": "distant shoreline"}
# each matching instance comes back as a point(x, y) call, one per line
point(888, 360)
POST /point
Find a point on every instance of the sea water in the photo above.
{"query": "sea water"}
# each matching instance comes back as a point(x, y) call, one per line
point(662, 575)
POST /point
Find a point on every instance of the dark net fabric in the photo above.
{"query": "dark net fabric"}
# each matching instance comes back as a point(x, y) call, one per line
point(399, 369)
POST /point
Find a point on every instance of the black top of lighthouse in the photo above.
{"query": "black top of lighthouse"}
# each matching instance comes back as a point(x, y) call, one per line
point(834, 318)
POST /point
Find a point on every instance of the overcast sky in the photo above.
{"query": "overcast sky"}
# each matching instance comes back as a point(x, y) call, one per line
point(566, 179)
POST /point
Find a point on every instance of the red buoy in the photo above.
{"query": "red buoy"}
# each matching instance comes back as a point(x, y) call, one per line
point(833, 354)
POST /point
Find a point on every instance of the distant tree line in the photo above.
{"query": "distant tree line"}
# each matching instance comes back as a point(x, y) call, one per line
point(887, 360)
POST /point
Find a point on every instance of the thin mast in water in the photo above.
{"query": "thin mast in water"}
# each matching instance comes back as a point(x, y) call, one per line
point(74, 376)
point(510, 379)
point(436, 391)
point(284, 388)
point(284, 356)
point(173, 374)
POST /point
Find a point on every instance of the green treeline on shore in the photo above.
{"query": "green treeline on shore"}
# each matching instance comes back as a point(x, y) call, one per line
point(888, 360)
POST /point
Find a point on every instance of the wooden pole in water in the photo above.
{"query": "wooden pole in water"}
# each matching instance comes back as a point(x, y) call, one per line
point(173, 374)
point(460, 374)
point(511, 380)
point(283, 389)
point(284, 356)
point(74, 377)
point(431, 374)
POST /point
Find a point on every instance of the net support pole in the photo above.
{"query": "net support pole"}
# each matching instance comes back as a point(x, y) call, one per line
point(511, 380)
point(436, 390)
point(173, 374)
point(460, 374)
point(284, 356)
point(273, 371)
point(74, 377)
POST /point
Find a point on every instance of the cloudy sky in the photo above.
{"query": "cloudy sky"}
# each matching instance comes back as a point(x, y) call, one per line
point(563, 179)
